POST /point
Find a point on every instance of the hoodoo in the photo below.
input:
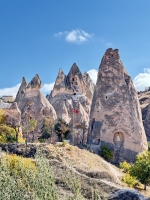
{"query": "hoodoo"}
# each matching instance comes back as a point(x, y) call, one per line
point(71, 98)
point(34, 105)
point(115, 118)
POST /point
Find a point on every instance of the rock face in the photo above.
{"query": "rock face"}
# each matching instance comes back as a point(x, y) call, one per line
point(115, 118)
point(22, 90)
point(127, 194)
point(74, 91)
point(13, 115)
point(33, 104)
point(144, 98)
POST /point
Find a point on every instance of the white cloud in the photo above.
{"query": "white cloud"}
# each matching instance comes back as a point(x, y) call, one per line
point(142, 80)
point(77, 36)
point(46, 88)
point(109, 44)
point(58, 34)
point(10, 91)
point(93, 74)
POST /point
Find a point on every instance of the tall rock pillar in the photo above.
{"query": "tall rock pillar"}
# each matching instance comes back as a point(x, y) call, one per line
point(115, 118)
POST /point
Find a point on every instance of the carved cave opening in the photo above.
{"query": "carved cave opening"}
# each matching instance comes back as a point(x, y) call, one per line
point(118, 138)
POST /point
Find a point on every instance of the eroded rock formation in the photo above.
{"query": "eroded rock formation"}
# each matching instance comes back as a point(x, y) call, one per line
point(115, 118)
point(144, 98)
point(33, 104)
point(74, 91)
point(13, 115)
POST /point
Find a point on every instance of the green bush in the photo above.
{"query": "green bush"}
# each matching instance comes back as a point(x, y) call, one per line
point(125, 166)
point(129, 180)
point(7, 134)
point(106, 152)
point(148, 146)
point(36, 183)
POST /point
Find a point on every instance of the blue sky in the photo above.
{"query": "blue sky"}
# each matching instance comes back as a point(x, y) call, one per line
point(41, 36)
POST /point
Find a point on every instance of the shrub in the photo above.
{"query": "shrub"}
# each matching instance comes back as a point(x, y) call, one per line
point(106, 152)
point(7, 134)
point(141, 168)
point(20, 178)
point(18, 165)
point(129, 180)
point(125, 166)
point(65, 143)
point(148, 146)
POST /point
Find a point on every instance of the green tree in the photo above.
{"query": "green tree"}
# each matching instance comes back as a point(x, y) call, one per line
point(106, 152)
point(47, 128)
point(62, 129)
point(141, 168)
point(29, 127)
point(83, 127)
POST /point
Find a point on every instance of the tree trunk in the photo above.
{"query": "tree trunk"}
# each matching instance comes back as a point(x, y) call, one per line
point(144, 186)
point(26, 142)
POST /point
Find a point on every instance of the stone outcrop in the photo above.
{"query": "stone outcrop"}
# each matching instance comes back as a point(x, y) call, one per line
point(22, 90)
point(74, 91)
point(89, 89)
point(115, 118)
point(124, 194)
point(33, 104)
point(13, 116)
point(144, 98)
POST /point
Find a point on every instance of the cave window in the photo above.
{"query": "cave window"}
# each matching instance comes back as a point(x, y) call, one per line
point(72, 79)
point(76, 83)
point(106, 97)
point(118, 138)
point(74, 93)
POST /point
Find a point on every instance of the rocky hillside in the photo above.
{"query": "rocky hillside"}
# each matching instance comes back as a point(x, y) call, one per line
point(74, 167)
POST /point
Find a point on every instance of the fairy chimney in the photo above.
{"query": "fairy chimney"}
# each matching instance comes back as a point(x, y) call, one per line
point(115, 118)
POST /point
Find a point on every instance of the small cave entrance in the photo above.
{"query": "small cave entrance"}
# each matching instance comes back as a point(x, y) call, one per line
point(118, 138)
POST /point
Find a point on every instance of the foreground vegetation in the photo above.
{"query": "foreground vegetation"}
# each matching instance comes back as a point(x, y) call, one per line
point(139, 172)
point(33, 178)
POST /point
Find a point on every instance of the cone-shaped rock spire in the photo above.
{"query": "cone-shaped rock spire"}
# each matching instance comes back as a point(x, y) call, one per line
point(115, 118)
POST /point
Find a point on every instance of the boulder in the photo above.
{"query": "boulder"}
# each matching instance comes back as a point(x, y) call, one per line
point(115, 118)
point(124, 194)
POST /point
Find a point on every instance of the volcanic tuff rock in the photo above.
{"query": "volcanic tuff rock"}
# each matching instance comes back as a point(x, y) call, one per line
point(22, 90)
point(13, 115)
point(33, 104)
point(115, 117)
point(72, 91)
point(144, 98)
